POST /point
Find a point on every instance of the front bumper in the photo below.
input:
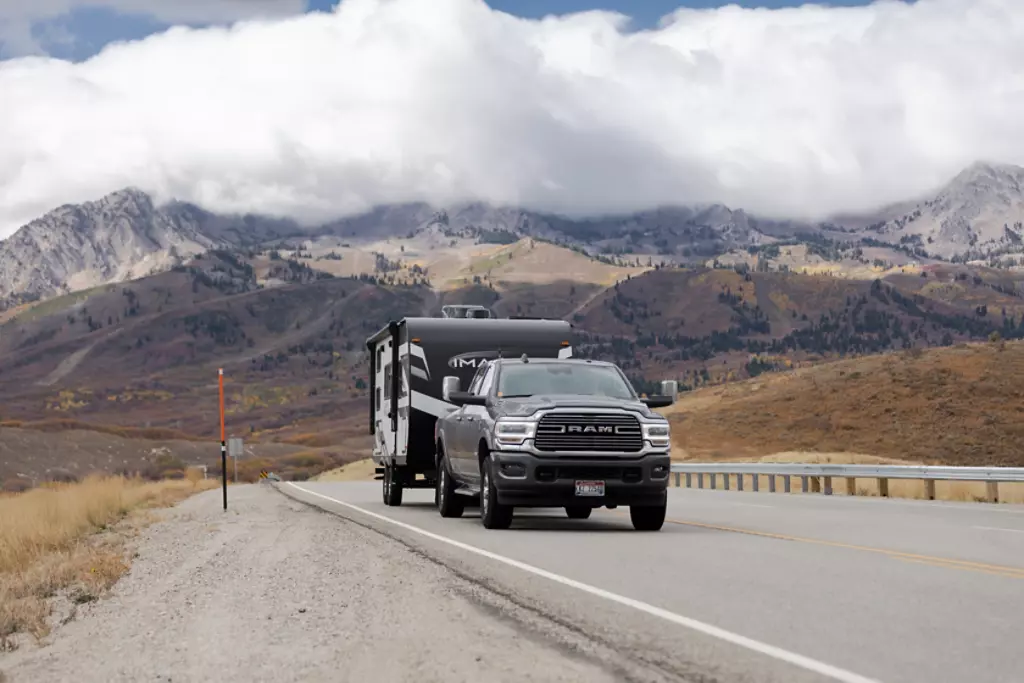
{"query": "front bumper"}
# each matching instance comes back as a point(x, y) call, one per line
point(526, 480)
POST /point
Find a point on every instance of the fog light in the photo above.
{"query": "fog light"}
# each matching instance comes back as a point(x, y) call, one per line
point(659, 471)
point(513, 469)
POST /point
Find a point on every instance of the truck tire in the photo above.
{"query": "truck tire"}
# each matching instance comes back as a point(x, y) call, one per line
point(578, 512)
point(449, 503)
point(647, 517)
point(493, 514)
point(392, 486)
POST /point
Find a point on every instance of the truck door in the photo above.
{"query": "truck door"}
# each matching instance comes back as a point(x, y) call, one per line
point(474, 423)
point(458, 440)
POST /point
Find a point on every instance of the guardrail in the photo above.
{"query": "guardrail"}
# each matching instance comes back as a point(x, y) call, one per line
point(818, 478)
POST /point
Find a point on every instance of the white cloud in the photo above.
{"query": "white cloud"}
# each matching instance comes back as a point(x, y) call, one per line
point(799, 112)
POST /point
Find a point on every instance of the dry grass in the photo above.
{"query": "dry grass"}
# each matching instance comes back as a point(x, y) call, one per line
point(50, 545)
point(956, 406)
point(360, 470)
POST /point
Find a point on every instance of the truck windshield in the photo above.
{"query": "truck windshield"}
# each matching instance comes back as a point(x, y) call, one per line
point(531, 379)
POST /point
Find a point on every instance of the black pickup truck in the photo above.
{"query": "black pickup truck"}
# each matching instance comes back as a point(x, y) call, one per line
point(552, 432)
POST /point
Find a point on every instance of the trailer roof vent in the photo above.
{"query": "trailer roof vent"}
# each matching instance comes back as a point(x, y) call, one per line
point(525, 358)
point(465, 311)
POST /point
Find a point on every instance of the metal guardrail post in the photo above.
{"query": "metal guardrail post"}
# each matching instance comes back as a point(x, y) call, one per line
point(771, 483)
point(785, 483)
point(803, 484)
point(739, 482)
point(700, 480)
point(828, 485)
point(688, 480)
point(756, 481)
point(677, 475)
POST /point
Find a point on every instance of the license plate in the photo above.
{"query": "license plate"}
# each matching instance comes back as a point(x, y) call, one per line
point(589, 488)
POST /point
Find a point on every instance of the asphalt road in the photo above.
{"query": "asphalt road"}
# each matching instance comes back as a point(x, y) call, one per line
point(747, 586)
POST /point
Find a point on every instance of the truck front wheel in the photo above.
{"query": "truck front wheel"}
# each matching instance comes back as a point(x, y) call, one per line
point(449, 503)
point(493, 514)
point(647, 518)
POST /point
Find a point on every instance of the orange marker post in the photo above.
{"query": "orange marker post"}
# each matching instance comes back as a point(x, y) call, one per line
point(223, 441)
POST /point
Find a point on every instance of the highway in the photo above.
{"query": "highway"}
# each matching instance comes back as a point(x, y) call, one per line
point(745, 586)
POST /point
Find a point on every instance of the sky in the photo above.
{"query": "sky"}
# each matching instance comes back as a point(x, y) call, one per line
point(259, 105)
point(78, 29)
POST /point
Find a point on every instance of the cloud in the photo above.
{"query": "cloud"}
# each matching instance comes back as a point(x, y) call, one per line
point(800, 112)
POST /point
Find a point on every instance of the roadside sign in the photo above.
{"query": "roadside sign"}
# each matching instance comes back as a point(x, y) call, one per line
point(235, 447)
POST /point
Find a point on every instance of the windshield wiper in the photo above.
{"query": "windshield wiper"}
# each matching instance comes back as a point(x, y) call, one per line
point(517, 396)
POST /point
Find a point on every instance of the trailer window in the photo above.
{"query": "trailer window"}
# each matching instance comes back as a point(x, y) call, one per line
point(387, 381)
point(378, 399)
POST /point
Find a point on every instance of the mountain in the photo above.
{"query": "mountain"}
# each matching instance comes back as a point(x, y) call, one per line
point(979, 215)
point(120, 237)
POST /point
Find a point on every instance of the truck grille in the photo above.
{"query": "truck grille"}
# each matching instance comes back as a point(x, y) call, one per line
point(598, 432)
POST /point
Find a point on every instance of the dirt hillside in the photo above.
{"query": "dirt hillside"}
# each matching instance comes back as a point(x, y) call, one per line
point(959, 406)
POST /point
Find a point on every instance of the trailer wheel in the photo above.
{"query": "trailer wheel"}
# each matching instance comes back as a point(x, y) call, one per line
point(647, 518)
point(392, 486)
point(449, 503)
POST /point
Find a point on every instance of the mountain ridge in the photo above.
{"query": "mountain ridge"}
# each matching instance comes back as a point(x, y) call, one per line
point(979, 214)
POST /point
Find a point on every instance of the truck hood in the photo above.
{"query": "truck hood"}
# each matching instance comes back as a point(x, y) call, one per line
point(524, 407)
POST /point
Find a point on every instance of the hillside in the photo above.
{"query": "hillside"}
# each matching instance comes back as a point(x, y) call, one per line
point(707, 326)
point(956, 406)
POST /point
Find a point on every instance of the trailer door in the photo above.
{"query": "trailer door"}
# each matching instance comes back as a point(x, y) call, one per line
point(404, 404)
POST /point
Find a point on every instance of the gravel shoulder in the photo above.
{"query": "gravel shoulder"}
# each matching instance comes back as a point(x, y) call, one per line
point(274, 590)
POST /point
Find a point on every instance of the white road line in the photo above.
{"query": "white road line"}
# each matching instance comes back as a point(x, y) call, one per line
point(778, 653)
point(999, 528)
point(752, 505)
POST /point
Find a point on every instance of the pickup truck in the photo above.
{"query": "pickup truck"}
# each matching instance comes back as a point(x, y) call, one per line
point(552, 432)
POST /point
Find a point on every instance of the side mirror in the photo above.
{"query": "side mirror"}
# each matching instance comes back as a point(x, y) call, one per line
point(658, 401)
point(449, 386)
point(464, 398)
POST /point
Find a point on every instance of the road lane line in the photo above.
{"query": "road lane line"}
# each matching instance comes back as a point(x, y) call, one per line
point(944, 565)
point(953, 564)
point(772, 651)
point(999, 528)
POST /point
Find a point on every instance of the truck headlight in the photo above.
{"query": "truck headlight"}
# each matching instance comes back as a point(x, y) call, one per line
point(514, 432)
point(657, 434)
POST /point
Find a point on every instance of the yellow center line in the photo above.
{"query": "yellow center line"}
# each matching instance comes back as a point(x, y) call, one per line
point(945, 565)
point(1016, 572)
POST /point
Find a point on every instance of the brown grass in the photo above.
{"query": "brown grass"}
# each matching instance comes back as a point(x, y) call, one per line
point(957, 406)
point(67, 424)
point(50, 545)
point(360, 470)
